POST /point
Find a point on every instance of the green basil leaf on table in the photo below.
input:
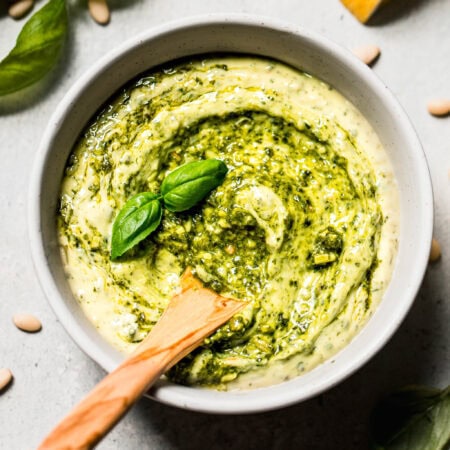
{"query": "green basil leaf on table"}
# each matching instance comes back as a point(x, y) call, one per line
point(139, 217)
point(37, 48)
point(412, 418)
point(190, 183)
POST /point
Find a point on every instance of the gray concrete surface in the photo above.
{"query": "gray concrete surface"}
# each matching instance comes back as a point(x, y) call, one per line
point(51, 373)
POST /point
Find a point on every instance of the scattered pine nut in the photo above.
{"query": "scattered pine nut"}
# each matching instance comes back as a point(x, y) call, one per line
point(99, 11)
point(435, 251)
point(368, 54)
point(27, 322)
point(20, 8)
point(5, 378)
point(439, 107)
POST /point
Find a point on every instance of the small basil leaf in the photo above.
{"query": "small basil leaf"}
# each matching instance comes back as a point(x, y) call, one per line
point(189, 184)
point(37, 48)
point(139, 217)
point(413, 418)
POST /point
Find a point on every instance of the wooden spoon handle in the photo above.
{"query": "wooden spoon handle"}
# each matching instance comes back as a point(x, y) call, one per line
point(191, 316)
point(94, 416)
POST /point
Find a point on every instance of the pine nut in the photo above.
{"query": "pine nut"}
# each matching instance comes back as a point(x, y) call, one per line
point(27, 322)
point(20, 8)
point(230, 249)
point(5, 378)
point(435, 251)
point(368, 54)
point(99, 11)
point(439, 107)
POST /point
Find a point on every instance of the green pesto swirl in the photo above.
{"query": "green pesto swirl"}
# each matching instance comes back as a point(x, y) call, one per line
point(293, 229)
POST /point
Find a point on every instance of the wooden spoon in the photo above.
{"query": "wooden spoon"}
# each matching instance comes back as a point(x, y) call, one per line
point(190, 316)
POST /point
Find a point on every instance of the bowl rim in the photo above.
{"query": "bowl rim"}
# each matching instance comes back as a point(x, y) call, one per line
point(204, 400)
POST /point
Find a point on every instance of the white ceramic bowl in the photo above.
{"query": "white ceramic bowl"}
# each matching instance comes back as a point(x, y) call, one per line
point(301, 49)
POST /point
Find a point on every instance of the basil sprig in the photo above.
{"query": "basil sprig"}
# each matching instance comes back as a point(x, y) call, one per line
point(37, 48)
point(189, 184)
point(182, 189)
point(412, 418)
point(140, 216)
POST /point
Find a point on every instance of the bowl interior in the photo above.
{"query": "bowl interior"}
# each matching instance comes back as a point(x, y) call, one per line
point(302, 50)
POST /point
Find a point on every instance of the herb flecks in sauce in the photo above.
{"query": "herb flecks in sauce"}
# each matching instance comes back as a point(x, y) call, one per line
point(294, 229)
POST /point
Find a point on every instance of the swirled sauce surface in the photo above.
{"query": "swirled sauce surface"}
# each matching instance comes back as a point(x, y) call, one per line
point(304, 227)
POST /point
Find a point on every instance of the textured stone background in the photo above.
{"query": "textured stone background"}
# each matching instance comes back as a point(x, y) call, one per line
point(51, 373)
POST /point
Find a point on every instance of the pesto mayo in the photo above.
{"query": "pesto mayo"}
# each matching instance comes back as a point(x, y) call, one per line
point(304, 227)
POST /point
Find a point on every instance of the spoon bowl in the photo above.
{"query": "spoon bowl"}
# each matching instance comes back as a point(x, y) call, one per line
point(192, 314)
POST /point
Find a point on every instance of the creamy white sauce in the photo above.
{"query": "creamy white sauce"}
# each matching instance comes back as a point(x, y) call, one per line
point(94, 286)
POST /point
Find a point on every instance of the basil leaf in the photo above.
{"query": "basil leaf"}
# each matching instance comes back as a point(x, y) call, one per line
point(413, 418)
point(139, 217)
point(37, 48)
point(189, 184)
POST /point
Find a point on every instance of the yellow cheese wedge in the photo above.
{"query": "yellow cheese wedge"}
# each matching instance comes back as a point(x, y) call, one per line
point(363, 9)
